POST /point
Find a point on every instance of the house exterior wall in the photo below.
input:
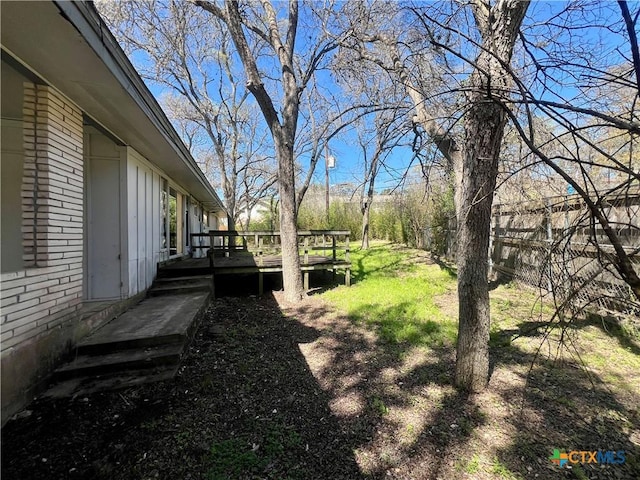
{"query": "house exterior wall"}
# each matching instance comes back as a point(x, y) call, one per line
point(39, 300)
point(196, 219)
point(143, 222)
point(144, 184)
point(46, 188)
point(12, 168)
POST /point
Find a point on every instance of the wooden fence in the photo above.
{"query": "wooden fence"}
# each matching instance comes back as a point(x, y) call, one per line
point(556, 245)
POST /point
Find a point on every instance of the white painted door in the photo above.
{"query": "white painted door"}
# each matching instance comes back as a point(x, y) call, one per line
point(103, 240)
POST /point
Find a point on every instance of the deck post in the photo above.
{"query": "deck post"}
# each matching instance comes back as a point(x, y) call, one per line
point(347, 277)
point(346, 253)
point(306, 281)
point(306, 250)
point(260, 283)
point(333, 246)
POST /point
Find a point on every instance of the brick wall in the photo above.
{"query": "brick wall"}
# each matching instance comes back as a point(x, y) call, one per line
point(38, 301)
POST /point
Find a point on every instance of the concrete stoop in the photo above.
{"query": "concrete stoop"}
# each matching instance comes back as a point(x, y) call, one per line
point(176, 285)
point(144, 344)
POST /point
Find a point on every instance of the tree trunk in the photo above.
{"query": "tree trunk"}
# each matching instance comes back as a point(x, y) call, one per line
point(368, 200)
point(366, 209)
point(291, 273)
point(475, 185)
point(476, 174)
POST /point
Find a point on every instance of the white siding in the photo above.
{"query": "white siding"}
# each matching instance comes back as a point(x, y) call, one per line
point(143, 248)
point(144, 184)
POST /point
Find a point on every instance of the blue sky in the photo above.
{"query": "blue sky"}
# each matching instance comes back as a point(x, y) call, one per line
point(562, 84)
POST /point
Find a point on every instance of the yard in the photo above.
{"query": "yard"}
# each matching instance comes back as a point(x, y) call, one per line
point(354, 383)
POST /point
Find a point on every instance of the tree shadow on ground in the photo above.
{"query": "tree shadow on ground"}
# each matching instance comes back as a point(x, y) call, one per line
point(407, 421)
point(446, 265)
point(361, 271)
point(566, 406)
point(244, 405)
point(608, 326)
point(398, 405)
point(304, 392)
point(613, 328)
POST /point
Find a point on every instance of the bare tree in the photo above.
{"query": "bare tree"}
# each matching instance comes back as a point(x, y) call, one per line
point(380, 128)
point(595, 131)
point(327, 113)
point(377, 143)
point(178, 47)
point(473, 154)
point(272, 30)
point(568, 61)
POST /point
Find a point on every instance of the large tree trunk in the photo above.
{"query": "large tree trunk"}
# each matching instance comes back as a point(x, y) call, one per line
point(476, 169)
point(291, 273)
point(475, 185)
point(476, 174)
point(284, 134)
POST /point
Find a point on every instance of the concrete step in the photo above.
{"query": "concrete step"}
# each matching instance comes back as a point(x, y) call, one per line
point(144, 344)
point(161, 320)
point(85, 365)
point(197, 279)
point(179, 287)
point(141, 343)
point(177, 271)
point(87, 385)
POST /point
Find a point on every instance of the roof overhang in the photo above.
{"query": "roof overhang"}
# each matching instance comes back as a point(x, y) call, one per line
point(67, 45)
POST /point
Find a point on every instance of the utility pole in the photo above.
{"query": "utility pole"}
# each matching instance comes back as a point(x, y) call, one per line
point(328, 162)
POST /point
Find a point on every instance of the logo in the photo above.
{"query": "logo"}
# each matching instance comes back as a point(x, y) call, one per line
point(602, 457)
point(558, 458)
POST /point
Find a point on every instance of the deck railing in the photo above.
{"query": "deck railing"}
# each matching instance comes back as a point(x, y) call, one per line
point(226, 242)
point(266, 244)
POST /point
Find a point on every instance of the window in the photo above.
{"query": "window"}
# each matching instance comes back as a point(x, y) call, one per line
point(12, 164)
point(164, 207)
point(173, 222)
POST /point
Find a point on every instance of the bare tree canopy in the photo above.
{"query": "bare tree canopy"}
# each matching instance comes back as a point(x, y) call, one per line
point(182, 50)
point(471, 69)
point(278, 69)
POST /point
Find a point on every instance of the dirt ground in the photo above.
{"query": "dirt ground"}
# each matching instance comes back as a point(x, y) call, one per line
point(275, 391)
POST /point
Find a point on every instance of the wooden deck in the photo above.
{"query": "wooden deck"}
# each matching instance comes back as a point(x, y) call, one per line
point(239, 252)
point(244, 262)
point(247, 263)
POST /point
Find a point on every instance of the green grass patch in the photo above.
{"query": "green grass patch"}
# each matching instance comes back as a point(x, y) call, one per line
point(394, 293)
point(503, 471)
point(473, 466)
point(239, 458)
point(379, 406)
point(232, 457)
point(402, 296)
